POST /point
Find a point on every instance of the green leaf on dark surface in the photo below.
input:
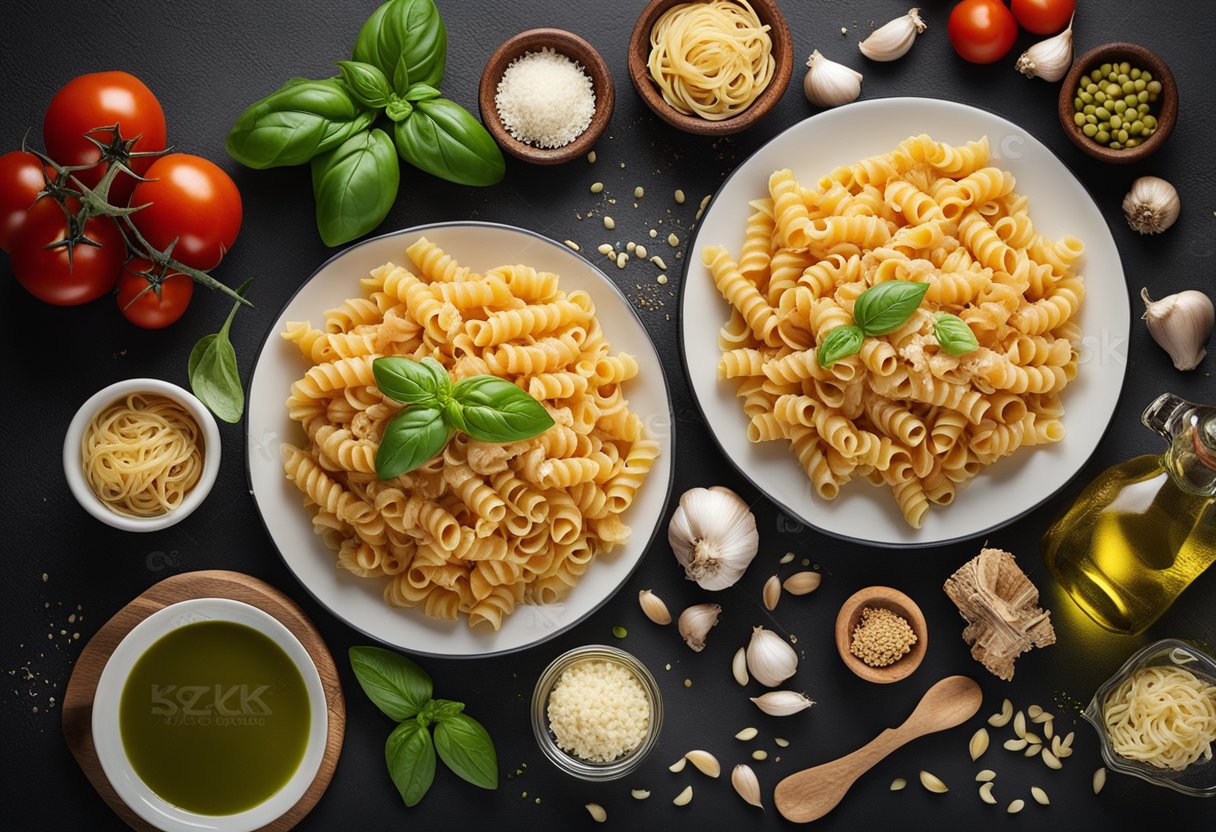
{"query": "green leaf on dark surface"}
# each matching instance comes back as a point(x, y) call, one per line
point(422, 92)
point(410, 756)
point(953, 334)
point(445, 709)
point(296, 122)
point(366, 83)
point(466, 748)
point(841, 342)
point(213, 372)
point(443, 139)
point(406, 40)
point(411, 382)
point(411, 438)
point(495, 410)
point(355, 185)
point(887, 306)
point(393, 683)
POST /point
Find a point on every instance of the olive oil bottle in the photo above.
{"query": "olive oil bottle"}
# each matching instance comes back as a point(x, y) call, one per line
point(1141, 532)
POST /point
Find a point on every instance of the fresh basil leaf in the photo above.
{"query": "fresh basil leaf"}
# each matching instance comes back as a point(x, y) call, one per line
point(841, 342)
point(355, 185)
point(495, 410)
point(408, 381)
point(411, 438)
point(422, 92)
point(295, 123)
point(396, 685)
point(398, 109)
point(465, 746)
point(410, 756)
point(446, 709)
point(443, 381)
point(213, 373)
point(953, 334)
point(407, 41)
point(442, 138)
point(366, 83)
point(886, 307)
point(453, 414)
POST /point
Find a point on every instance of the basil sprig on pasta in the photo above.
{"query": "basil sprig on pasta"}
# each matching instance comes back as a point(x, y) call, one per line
point(487, 408)
point(953, 335)
point(879, 310)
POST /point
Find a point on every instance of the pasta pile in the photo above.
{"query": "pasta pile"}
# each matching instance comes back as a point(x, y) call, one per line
point(711, 59)
point(1163, 716)
point(901, 412)
point(481, 527)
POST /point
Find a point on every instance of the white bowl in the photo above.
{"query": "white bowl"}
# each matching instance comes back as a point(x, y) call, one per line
point(107, 738)
point(84, 493)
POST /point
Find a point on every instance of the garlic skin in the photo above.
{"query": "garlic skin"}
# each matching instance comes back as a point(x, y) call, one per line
point(770, 658)
point(1048, 59)
point(892, 40)
point(828, 83)
point(745, 783)
point(1152, 205)
point(653, 607)
point(696, 622)
point(782, 702)
point(1180, 324)
point(713, 535)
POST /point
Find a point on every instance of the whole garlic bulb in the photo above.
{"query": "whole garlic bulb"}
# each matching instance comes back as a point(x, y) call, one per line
point(713, 535)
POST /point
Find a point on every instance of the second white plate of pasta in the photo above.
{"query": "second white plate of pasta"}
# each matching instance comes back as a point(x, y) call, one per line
point(967, 400)
point(485, 548)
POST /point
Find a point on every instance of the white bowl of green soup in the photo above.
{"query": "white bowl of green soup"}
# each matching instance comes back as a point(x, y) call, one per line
point(210, 717)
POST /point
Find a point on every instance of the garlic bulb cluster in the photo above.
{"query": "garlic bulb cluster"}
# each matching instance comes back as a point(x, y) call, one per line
point(1048, 59)
point(770, 658)
point(696, 622)
point(828, 83)
point(713, 534)
point(1152, 205)
point(892, 40)
point(1181, 324)
point(782, 702)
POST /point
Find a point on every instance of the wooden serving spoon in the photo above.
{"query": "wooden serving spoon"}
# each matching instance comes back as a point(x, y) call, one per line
point(811, 793)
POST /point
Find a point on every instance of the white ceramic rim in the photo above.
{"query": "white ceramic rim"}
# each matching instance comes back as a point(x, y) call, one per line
point(107, 738)
point(90, 502)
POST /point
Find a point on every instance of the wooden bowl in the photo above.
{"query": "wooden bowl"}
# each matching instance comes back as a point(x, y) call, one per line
point(900, 604)
point(564, 43)
point(639, 52)
point(1167, 100)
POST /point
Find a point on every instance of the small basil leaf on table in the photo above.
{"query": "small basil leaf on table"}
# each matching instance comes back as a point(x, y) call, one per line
point(411, 382)
point(953, 334)
point(213, 373)
point(295, 123)
point(466, 748)
point(411, 438)
point(443, 139)
point(841, 342)
point(397, 686)
point(355, 185)
point(410, 756)
point(884, 308)
point(407, 41)
point(366, 83)
point(495, 410)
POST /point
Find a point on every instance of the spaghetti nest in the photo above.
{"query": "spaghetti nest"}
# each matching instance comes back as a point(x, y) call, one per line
point(1163, 716)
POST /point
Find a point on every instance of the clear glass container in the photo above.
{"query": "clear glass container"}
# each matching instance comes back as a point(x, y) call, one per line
point(570, 763)
point(1199, 778)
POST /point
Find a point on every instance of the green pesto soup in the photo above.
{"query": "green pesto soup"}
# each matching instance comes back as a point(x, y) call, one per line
point(214, 717)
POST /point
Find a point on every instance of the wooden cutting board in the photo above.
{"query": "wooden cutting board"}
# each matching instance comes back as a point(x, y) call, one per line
point(78, 698)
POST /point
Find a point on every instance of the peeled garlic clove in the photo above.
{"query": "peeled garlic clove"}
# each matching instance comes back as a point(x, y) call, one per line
point(1152, 205)
point(801, 583)
point(828, 83)
point(704, 762)
point(738, 666)
point(893, 39)
point(933, 783)
point(770, 658)
point(1048, 59)
point(653, 607)
point(772, 593)
point(745, 783)
point(597, 812)
point(978, 744)
point(713, 535)
point(684, 797)
point(1181, 324)
point(696, 622)
point(782, 702)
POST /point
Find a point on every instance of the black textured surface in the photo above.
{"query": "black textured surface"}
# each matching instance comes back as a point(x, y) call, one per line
point(206, 61)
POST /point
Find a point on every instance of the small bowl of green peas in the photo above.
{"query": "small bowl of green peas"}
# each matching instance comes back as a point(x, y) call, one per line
point(1119, 102)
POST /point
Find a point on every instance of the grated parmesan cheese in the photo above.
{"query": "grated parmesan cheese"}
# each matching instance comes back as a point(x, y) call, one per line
point(545, 99)
point(598, 711)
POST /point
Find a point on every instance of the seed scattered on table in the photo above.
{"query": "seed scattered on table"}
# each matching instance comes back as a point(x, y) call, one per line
point(596, 187)
point(639, 192)
point(597, 812)
point(572, 244)
point(933, 783)
point(1016, 806)
point(591, 157)
point(609, 223)
point(679, 197)
point(1040, 796)
point(684, 797)
point(898, 784)
point(985, 776)
point(1099, 779)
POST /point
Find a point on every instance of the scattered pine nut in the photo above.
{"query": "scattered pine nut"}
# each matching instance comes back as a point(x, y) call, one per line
point(684, 797)
point(572, 244)
point(641, 251)
point(631, 246)
point(985, 776)
point(609, 223)
point(1016, 806)
point(673, 240)
point(760, 754)
point(1040, 796)
point(679, 197)
point(596, 187)
point(1099, 779)
point(978, 744)
point(621, 260)
point(661, 278)
point(898, 784)
point(605, 248)
point(653, 233)
point(591, 157)
point(746, 734)
point(597, 812)
point(781, 742)
point(639, 192)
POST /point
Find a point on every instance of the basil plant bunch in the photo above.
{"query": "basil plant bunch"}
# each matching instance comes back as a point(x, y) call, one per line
point(395, 72)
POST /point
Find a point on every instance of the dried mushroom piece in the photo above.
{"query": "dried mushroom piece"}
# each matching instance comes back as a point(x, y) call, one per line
point(1001, 607)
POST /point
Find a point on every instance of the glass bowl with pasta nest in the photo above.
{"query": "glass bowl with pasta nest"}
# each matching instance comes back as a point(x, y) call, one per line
point(912, 334)
point(141, 454)
point(486, 544)
point(1156, 717)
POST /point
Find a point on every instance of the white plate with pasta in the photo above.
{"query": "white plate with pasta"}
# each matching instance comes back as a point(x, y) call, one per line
point(486, 548)
point(1015, 255)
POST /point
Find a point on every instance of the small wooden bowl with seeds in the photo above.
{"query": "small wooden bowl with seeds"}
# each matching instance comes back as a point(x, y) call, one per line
point(881, 634)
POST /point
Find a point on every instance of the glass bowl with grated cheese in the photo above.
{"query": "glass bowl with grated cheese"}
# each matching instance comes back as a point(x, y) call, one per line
point(596, 712)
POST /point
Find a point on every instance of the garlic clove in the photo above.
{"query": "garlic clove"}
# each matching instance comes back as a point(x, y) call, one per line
point(801, 583)
point(696, 622)
point(1181, 324)
point(828, 83)
point(738, 666)
point(770, 658)
point(772, 593)
point(782, 702)
point(713, 535)
point(745, 783)
point(1152, 205)
point(704, 762)
point(1048, 59)
point(653, 607)
point(892, 40)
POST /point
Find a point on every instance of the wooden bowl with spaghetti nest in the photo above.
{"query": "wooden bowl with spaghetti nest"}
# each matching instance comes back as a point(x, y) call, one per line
point(782, 49)
point(881, 598)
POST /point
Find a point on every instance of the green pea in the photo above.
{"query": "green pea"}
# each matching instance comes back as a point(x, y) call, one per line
point(1151, 97)
point(1125, 67)
point(1120, 106)
point(1135, 73)
point(1122, 78)
point(1122, 135)
point(1142, 108)
point(1079, 119)
point(1102, 137)
point(1136, 128)
point(1128, 87)
point(1150, 122)
point(1091, 119)
point(1078, 104)
point(1130, 100)
point(1116, 122)
point(1089, 109)
point(1142, 96)
point(1090, 130)
point(1105, 69)
point(1091, 88)
point(1154, 87)
point(1112, 89)
point(1139, 84)
point(1099, 97)
point(1132, 143)
point(1102, 113)
point(1115, 146)
point(1087, 97)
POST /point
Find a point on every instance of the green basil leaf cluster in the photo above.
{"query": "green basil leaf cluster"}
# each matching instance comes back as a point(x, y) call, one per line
point(487, 408)
point(403, 692)
point(953, 335)
point(397, 66)
point(879, 310)
point(213, 372)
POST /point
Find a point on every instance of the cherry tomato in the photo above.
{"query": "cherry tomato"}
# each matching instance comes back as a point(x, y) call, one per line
point(21, 181)
point(102, 99)
point(1044, 17)
point(152, 309)
point(982, 31)
point(193, 201)
point(48, 274)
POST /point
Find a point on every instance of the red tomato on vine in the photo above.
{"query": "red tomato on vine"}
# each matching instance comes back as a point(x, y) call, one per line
point(191, 200)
